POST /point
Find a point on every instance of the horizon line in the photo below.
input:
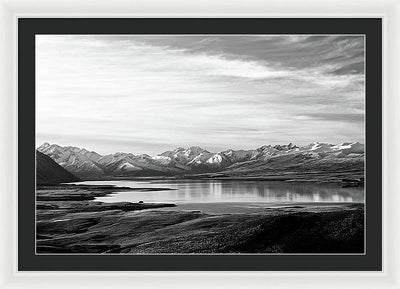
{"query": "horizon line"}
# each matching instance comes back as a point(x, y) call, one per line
point(196, 146)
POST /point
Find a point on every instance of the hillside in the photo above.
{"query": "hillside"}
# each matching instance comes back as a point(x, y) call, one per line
point(49, 172)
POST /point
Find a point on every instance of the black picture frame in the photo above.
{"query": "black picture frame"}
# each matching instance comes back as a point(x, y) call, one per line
point(29, 27)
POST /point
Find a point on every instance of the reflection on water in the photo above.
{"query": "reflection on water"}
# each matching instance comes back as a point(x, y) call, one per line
point(216, 191)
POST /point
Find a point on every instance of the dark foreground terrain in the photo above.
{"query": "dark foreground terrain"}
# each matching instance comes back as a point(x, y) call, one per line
point(69, 221)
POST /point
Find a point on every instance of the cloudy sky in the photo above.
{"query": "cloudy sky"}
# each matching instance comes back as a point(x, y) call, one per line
point(148, 94)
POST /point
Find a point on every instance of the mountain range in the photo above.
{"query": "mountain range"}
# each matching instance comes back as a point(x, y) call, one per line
point(265, 160)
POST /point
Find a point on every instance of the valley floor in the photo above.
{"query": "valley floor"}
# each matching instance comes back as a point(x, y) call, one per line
point(69, 221)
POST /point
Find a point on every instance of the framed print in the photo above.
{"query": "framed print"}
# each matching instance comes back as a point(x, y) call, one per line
point(200, 144)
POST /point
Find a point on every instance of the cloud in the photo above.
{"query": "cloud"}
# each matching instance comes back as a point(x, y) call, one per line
point(156, 92)
point(340, 117)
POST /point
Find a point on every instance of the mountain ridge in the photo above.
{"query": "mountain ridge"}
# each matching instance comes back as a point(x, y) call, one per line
point(89, 164)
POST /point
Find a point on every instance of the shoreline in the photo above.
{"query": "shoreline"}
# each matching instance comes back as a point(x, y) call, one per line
point(68, 222)
point(82, 197)
point(293, 177)
point(279, 230)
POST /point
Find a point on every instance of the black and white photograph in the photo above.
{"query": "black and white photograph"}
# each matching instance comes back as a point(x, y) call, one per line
point(200, 144)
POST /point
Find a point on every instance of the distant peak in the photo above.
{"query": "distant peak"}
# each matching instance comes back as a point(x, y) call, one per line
point(55, 147)
point(45, 145)
point(265, 146)
point(195, 148)
point(74, 148)
point(179, 149)
point(285, 147)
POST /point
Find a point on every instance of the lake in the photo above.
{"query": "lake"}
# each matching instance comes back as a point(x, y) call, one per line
point(229, 196)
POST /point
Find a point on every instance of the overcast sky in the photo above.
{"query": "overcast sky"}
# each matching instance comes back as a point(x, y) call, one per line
point(149, 94)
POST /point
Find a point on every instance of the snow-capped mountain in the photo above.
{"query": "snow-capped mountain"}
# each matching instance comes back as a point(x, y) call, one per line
point(287, 148)
point(313, 158)
point(182, 155)
point(238, 155)
point(319, 147)
point(80, 162)
point(88, 164)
